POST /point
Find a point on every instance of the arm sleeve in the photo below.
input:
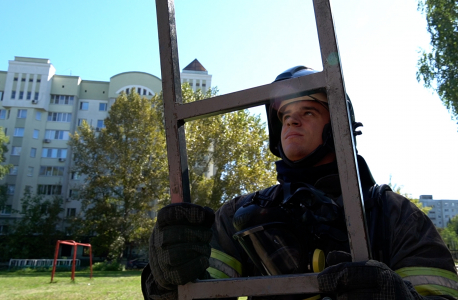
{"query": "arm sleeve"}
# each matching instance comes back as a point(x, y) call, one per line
point(227, 256)
point(418, 253)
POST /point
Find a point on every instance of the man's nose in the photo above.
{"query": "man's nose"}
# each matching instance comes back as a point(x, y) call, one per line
point(293, 120)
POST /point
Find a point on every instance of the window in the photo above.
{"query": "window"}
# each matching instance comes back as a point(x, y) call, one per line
point(49, 189)
point(29, 95)
point(100, 124)
point(36, 132)
point(3, 229)
point(13, 170)
point(84, 105)
point(103, 106)
point(30, 171)
point(10, 189)
point(15, 78)
point(59, 117)
point(139, 91)
point(22, 113)
point(16, 150)
point(51, 171)
point(56, 134)
point(71, 212)
point(74, 194)
point(33, 152)
point(13, 94)
point(21, 95)
point(6, 210)
point(54, 153)
point(2, 114)
point(22, 79)
point(75, 175)
point(80, 121)
point(36, 95)
point(446, 209)
point(19, 131)
point(38, 116)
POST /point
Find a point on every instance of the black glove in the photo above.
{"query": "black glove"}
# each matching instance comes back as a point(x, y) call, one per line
point(367, 280)
point(179, 247)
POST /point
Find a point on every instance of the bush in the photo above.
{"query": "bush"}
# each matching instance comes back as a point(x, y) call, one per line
point(108, 266)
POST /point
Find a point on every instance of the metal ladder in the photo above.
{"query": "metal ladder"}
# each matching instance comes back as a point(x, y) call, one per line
point(176, 114)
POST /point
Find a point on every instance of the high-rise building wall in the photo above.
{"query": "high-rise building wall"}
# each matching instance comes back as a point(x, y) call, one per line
point(197, 76)
point(442, 211)
point(38, 111)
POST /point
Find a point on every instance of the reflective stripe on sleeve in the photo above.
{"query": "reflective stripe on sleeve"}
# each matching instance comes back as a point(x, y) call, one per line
point(221, 263)
point(431, 281)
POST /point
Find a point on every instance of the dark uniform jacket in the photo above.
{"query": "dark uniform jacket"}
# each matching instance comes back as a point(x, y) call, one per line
point(401, 236)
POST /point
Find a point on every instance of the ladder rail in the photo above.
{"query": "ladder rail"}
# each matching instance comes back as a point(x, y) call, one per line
point(176, 114)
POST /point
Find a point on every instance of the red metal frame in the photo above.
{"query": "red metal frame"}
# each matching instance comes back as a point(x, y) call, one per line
point(75, 246)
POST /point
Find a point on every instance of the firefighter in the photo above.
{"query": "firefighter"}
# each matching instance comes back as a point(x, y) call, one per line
point(291, 227)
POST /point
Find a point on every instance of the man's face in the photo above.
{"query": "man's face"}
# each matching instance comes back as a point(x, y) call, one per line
point(302, 129)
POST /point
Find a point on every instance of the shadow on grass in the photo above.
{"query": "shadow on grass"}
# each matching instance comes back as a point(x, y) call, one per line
point(66, 274)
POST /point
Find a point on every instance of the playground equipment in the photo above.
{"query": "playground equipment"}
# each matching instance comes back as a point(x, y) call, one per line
point(75, 246)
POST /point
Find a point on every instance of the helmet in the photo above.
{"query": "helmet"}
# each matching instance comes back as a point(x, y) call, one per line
point(275, 124)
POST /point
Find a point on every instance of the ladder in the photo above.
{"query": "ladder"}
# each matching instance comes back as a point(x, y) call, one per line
point(177, 113)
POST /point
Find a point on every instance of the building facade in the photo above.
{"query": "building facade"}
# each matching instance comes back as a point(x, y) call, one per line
point(38, 111)
point(442, 211)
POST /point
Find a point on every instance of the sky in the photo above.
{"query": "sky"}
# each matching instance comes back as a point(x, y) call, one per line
point(409, 137)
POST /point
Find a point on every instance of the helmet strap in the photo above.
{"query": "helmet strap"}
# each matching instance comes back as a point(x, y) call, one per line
point(316, 156)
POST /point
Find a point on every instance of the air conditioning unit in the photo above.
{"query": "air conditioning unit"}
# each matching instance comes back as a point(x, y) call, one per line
point(61, 159)
point(34, 101)
point(47, 141)
point(97, 129)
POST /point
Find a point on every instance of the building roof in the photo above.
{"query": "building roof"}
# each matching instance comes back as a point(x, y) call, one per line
point(195, 65)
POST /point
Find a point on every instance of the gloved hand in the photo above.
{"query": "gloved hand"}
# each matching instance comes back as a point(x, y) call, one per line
point(179, 246)
point(367, 280)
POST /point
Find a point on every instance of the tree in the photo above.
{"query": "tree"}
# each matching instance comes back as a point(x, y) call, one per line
point(439, 68)
point(125, 169)
point(4, 169)
point(35, 234)
point(450, 234)
point(397, 190)
point(235, 146)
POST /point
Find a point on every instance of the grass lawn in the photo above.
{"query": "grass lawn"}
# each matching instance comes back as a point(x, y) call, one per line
point(103, 285)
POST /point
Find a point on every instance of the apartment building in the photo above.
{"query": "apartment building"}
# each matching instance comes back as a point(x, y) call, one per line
point(38, 111)
point(442, 211)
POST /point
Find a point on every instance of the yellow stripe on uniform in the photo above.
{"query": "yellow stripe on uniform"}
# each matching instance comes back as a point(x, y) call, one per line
point(431, 281)
point(227, 259)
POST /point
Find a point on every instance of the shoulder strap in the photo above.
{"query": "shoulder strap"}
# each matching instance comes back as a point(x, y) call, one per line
point(378, 227)
point(267, 194)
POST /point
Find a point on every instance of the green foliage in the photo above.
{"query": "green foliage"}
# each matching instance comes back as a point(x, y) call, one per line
point(397, 190)
point(439, 68)
point(125, 169)
point(228, 154)
point(35, 234)
point(108, 266)
point(450, 233)
point(4, 169)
